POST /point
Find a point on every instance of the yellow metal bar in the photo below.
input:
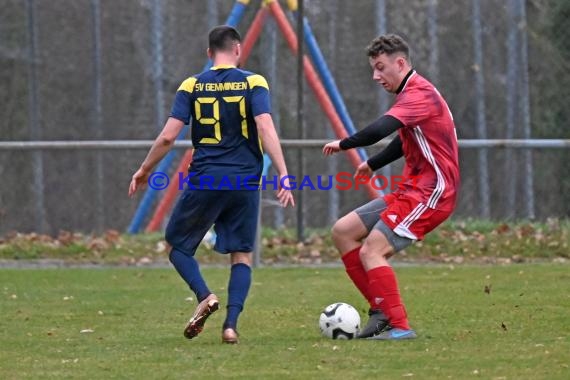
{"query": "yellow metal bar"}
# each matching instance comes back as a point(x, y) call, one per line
point(293, 5)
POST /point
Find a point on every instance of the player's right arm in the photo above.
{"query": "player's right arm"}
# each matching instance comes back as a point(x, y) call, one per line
point(159, 149)
point(179, 116)
point(271, 145)
point(376, 131)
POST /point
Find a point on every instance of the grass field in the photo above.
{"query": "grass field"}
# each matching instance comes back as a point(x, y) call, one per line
point(134, 320)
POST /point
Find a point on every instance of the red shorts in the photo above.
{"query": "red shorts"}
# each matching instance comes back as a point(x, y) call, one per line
point(409, 218)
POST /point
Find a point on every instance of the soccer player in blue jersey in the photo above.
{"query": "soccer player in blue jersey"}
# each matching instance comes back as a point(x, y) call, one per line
point(231, 123)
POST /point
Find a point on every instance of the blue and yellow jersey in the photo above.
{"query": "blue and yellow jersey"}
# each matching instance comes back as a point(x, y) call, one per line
point(222, 103)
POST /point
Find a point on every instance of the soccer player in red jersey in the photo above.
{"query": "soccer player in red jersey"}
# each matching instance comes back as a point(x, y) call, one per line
point(369, 235)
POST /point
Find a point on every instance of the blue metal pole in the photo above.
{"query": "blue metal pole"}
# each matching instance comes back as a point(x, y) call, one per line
point(150, 195)
point(329, 83)
point(237, 12)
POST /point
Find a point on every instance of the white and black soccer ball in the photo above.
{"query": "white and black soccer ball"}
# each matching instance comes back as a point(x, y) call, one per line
point(339, 321)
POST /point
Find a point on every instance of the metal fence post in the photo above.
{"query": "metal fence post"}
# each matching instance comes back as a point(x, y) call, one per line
point(511, 166)
point(158, 64)
point(433, 42)
point(525, 111)
point(381, 28)
point(270, 39)
point(97, 113)
point(332, 162)
point(483, 180)
point(212, 12)
point(300, 118)
point(257, 249)
point(34, 118)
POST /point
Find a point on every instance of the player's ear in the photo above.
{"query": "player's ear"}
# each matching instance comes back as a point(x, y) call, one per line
point(237, 50)
point(401, 63)
point(210, 53)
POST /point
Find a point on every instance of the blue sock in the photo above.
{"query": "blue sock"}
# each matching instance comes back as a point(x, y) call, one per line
point(240, 281)
point(188, 268)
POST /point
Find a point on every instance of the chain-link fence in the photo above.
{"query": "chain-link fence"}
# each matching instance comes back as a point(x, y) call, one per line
point(105, 70)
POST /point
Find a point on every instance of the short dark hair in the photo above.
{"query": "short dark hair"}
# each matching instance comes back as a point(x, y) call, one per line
point(222, 38)
point(388, 44)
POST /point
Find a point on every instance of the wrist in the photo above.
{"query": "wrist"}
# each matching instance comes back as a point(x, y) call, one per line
point(145, 168)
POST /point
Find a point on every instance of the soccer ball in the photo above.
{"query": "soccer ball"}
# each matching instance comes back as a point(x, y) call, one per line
point(339, 321)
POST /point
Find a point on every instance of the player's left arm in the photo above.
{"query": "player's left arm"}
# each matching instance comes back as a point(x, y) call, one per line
point(261, 109)
point(272, 146)
point(388, 155)
point(379, 129)
point(159, 149)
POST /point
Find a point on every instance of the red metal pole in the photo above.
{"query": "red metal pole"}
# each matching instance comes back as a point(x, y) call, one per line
point(253, 34)
point(317, 87)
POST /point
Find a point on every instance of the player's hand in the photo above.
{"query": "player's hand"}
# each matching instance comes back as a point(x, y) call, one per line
point(140, 178)
point(363, 170)
point(331, 148)
point(284, 193)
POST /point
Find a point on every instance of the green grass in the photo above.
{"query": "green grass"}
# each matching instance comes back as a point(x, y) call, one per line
point(137, 316)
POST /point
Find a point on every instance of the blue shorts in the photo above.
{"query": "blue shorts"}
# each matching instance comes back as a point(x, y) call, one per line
point(232, 212)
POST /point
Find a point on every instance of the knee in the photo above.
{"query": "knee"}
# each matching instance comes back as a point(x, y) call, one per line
point(241, 258)
point(369, 252)
point(338, 232)
point(365, 253)
point(169, 233)
point(173, 256)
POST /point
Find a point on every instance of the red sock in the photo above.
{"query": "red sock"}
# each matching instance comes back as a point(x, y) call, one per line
point(356, 272)
point(384, 292)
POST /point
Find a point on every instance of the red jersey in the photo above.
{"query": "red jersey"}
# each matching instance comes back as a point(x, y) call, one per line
point(429, 142)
